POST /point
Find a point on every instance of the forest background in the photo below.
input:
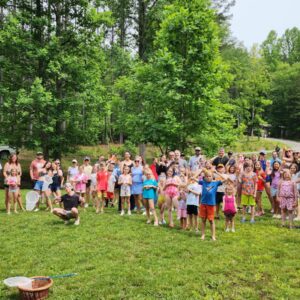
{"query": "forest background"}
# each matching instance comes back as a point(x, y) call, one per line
point(165, 72)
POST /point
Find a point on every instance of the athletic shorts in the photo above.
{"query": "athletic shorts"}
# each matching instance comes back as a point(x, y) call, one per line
point(219, 198)
point(101, 194)
point(192, 210)
point(69, 214)
point(229, 214)
point(110, 195)
point(88, 184)
point(207, 212)
point(38, 185)
point(273, 192)
point(248, 200)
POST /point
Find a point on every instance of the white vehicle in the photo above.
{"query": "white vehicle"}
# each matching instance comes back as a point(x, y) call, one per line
point(6, 151)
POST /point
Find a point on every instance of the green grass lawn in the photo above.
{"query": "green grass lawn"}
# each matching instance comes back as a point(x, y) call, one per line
point(124, 258)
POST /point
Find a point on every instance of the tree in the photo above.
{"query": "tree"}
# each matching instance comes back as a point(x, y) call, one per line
point(175, 95)
point(285, 93)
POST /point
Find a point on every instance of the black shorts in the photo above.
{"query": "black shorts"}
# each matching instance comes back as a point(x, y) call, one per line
point(5, 186)
point(88, 184)
point(192, 210)
point(229, 216)
point(219, 198)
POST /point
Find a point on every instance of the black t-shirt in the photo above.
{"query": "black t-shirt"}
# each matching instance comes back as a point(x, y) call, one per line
point(220, 160)
point(70, 201)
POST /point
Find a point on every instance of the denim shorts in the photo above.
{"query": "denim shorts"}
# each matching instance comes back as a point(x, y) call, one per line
point(38, 185)
point(273, 192)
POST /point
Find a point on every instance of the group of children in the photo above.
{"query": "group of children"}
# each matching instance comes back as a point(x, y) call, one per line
point(175, 187)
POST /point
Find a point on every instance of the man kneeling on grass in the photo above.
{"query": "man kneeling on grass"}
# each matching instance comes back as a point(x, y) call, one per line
point(70, 203)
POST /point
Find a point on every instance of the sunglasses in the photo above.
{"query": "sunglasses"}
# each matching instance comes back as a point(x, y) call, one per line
point(137, 161)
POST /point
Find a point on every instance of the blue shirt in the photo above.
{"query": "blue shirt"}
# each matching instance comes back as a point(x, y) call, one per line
point(209, 190)
point(263, 164)
point(149, 193)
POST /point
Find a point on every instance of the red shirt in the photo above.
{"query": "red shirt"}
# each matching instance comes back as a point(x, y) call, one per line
point(102, 180)
point(260, 181)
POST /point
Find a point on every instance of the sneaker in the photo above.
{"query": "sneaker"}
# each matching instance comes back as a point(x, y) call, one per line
point(36, 210)
point(243, 220)
point(129, 212)
point(155, 223)
point(67, 222)
point(278, 216)
point(163, 222)
point(227, 230)
point(297, 219)
point(77, 221)
point(86, 205)
point(148, 221)
point(272, 211)
point(8, 212)
point(122, 213)
point(16, 212)
point(252, 221)
point(144, 213)
point(232, 230)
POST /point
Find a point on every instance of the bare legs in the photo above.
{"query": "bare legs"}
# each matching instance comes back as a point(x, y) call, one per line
point(212, 229)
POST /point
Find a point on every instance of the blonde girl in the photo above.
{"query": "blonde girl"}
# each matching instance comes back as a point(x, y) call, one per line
point(149, 194)
point(171, 190)
point(13, 182)
point(125, 182)
point(229, 207)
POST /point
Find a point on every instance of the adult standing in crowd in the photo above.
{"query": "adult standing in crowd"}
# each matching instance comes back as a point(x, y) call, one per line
point(197, 160)
point(12, 164)
point(36, 165)
point(87, 170)
point(220, 159)
point(137, 183)
point(182, 163)
point(72, 171)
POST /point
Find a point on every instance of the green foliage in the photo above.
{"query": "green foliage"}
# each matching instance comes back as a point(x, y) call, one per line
point(285, 92)
point(176, 94)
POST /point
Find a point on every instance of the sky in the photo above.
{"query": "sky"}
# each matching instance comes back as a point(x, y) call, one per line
point(252, 20)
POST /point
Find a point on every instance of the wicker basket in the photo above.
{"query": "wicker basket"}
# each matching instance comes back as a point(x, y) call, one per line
point(39, 290)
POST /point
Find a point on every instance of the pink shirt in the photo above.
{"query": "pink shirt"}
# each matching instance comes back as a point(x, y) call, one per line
point(80, 182)
point(229, 204)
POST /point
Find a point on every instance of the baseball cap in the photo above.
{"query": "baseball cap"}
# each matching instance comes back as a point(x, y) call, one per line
point(230, 153)
point(74, 160)
point(263, 152)
point(220, 166)
point(86, 158)
point(197, 149)
point(39, 153)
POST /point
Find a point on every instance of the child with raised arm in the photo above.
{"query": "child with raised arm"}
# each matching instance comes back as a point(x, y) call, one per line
point(149, 193)
point(249, 188)
point(125, 182)
point(192, 202)
point(229, 207)
point(208, 203)
point(287, 196)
